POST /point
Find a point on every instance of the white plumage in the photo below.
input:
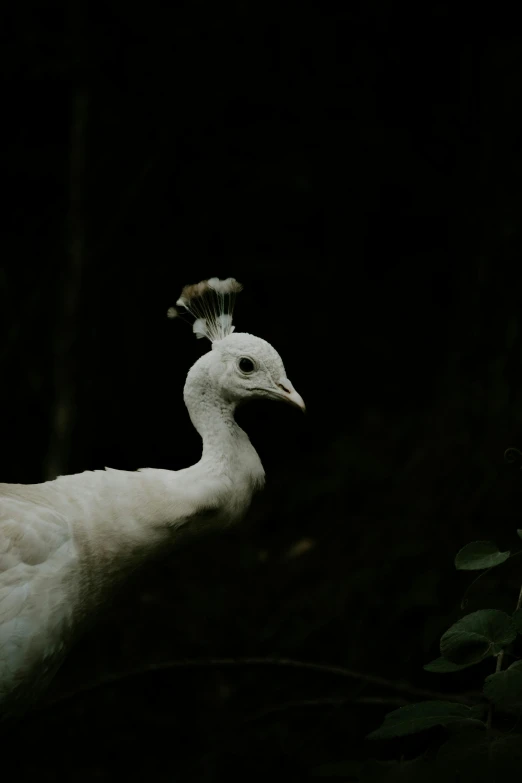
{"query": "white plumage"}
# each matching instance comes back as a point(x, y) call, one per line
point(66, 544)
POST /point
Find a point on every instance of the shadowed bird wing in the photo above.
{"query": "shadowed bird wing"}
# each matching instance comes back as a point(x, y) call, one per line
point(36, 560)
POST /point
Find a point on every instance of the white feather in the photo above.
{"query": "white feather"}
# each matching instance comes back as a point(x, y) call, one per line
point(199, 328)
point(228, 286)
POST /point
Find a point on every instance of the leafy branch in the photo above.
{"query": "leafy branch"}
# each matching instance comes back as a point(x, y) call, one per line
point(476, 745)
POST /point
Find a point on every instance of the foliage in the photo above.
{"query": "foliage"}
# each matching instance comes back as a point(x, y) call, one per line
point(505, 687)
point(425, 715)
point(477, 636)
point(476, 749)
point(478, 555)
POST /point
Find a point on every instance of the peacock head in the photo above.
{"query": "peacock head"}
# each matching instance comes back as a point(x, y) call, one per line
point(241, 366)
point(247, 367)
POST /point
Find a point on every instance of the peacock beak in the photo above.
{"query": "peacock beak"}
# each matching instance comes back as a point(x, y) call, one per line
point(289, 394)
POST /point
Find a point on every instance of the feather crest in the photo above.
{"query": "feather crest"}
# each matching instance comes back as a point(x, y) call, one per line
point(211, 302)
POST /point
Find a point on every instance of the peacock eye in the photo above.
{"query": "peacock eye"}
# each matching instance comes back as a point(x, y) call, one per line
point(246, 365)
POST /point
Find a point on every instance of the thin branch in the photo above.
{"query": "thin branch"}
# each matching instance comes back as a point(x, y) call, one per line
point(489, 721)
point(67, 321)
point(519, 602)
point(321, 668)
point(392, 701)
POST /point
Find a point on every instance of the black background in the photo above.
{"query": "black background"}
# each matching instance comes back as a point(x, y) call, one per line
point(358, 171)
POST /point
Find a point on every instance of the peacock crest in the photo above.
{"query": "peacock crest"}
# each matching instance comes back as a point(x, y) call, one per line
point(211, 302)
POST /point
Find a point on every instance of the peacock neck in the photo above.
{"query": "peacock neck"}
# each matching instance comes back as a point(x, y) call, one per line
point(120, 517)
point(227, 449)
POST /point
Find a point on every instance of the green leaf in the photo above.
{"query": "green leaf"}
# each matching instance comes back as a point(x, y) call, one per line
point(479, 711)
point(517, 619)
point(477, 636)
point(519, 533)
point(417, 717)
point(505, 687)
point(479, 555)
point(442, 665)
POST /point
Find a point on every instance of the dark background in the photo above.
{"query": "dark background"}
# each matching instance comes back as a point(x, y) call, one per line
point(359, 172)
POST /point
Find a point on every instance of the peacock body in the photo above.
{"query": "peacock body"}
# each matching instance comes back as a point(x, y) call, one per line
point(66, 545)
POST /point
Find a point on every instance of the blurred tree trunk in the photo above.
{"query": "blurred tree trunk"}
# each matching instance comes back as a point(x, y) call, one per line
point(67, 317)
